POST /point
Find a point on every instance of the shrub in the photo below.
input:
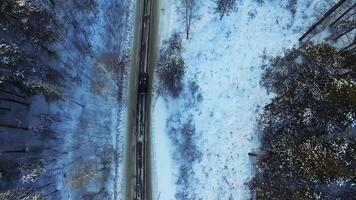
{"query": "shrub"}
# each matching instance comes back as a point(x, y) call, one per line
point(171, 74)
point(225, 7)
point(171, 66)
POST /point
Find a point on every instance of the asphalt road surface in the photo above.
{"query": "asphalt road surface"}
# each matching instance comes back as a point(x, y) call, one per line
point(138, 151)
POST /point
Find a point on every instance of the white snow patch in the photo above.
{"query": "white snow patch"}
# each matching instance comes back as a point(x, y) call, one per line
point(164, 178)
point(224, 57)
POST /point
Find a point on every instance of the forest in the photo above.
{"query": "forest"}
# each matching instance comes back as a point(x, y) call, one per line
point(252, 99)
point(60, 64)
point(308, 131)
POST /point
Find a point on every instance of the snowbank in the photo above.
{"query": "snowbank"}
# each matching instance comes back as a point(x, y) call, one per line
point(162, 147)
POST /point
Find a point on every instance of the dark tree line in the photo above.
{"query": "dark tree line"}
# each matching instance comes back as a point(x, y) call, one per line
point(308, 133)
point(29, 147)
point(46, 54)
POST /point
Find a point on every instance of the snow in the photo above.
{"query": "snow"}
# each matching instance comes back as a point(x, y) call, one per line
point(85, 159)
point(165, 178)
point(225, 59)
point(94, 133)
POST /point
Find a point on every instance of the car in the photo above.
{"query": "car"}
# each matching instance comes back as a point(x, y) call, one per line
point(143, 83)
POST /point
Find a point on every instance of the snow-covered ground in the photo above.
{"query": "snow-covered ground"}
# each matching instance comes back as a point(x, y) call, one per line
point(67, 113)
point(201, 139)
point(94, 59)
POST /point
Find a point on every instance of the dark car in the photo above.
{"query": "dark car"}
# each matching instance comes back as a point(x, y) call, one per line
point(143, 83)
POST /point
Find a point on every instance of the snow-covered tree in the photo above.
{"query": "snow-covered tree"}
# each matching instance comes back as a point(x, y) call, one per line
point(32, 171)
point(313, 78)
point(308, 133)
point(21, 195)
point(33, 18)
point(171, 67)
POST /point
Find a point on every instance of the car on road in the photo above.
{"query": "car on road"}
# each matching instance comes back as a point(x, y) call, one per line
point(143, 83)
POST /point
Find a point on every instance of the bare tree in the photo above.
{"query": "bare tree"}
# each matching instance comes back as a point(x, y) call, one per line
point(225, 7)
point(189, 11)
point(91, 5)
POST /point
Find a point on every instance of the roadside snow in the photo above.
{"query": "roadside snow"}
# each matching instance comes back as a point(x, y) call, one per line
point(212, 127)
point(165, 178)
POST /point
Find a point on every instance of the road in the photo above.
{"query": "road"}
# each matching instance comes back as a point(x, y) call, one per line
point(138, 144)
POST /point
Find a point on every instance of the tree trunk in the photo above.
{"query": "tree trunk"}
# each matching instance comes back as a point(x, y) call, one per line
point(49, 194)
point(44, 186)
point(15, 101)
point(73, 101)
point(14, 127)
point(343, 14)
point(252, 154)
point(12, 94)
point(328, 13)
point(344, 33)
point(5, 109)
point(14, 151)
point(345, 49)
